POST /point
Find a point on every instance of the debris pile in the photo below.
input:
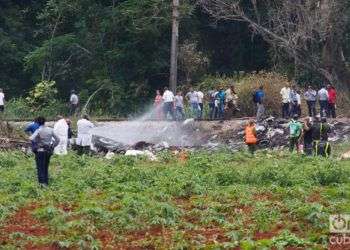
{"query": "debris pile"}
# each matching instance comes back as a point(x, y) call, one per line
point(157, 136)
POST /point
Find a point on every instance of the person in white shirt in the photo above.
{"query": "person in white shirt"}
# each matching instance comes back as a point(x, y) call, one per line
point(168, 103)
point(74, 102)
point(285, 94)
point(323, 101)
point(298, 108)
point(200, 96)
point(84, 135)
point(61, 130)
point(2, 101)
point(192, 97)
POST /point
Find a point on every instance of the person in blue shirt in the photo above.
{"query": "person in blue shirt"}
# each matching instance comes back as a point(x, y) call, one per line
point(32, 127)
point(259, 100)
point(220, 96)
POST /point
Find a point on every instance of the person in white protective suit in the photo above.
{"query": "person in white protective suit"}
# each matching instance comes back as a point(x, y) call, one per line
point(61, 130)
point(83, 141)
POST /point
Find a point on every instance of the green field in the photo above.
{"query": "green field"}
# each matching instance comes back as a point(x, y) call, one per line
point(205, 200)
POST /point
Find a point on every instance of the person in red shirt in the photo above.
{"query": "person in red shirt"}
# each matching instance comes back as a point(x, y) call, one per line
point(332, 98)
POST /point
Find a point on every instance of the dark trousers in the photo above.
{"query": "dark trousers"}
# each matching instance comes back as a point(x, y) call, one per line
point(331, 110)
point(168, 108)
point(82, 150)
point(296, 110)
point(251, 148)
point(323, 108)
point(312, 108)
point(42, 160)
point(293, 143)
point(308, 148)
point(222, 110)
point(201, 111)
point(180, 115)
point(73, 109)
point(285, 110)
point(2, 108)
point(213, 111)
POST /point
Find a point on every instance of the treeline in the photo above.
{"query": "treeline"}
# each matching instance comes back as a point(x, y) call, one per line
point(122, 48)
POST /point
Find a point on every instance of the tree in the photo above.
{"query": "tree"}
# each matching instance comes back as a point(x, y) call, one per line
point(311, 32)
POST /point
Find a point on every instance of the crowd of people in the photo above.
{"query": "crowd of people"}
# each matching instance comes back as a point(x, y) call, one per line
point(46, 141)
point(220, 103)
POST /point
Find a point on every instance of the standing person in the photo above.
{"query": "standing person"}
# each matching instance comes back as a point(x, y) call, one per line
point(310, 96)
point(285, 95)
point(307, 136)
point(298, 108)
point(200, 103)
point(231, 101)
point(192, 97)
point(158, 101)
point(258, 98)
point(332, 98)
point(251, 136)
point(179, 106)
point(323, 101)
point(70, 132)
point(61, 130)
point(44, 141)
point(168, 103)
point(295, 129)
point(321, 132)
point(294, 101)
point(74, 102)
point(84, 134)
point(220, 98)
point(2, 101)
point(211, 104)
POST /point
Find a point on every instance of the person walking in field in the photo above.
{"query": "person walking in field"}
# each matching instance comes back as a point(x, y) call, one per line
point(310, 96)
point(323, 101)
point(258, 99)
point(2, 101)
point(61, 130)
point(295, 130)
point(168, 103)
point(73, 102)
point(285, 95)
point(44, 140)
point(83, 141)
point(332, 99)
point(179, 106)
point(158, 101)
point(250, 136)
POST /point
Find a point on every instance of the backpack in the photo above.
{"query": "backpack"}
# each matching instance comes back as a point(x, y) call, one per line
point(294, 129)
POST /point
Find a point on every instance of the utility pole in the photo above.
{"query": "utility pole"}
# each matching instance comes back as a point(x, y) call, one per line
point(174, 46)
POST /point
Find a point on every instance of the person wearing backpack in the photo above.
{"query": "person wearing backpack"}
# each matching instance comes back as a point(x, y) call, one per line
point(295, 130)
point(258, 99)
point(250, 136)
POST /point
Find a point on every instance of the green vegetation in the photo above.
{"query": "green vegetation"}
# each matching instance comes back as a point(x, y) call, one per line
point(211, 200)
